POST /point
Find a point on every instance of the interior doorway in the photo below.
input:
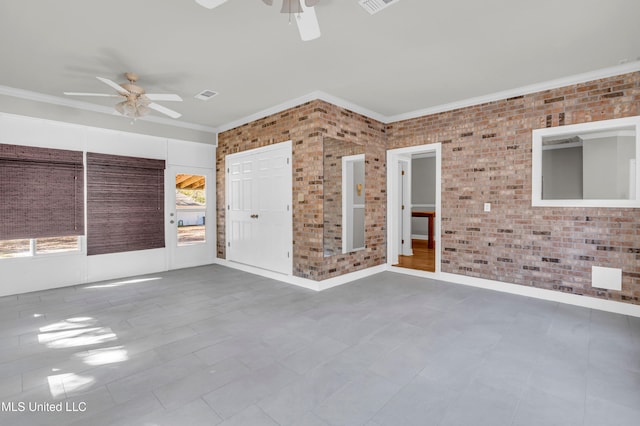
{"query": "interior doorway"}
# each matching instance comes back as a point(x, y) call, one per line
point(413, 207)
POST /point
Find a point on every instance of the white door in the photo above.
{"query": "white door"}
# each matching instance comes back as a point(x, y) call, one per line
point(191, 222)
point(259, 220)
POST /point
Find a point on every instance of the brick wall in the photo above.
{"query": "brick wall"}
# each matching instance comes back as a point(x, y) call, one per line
point(306, 126)
point(486, 157)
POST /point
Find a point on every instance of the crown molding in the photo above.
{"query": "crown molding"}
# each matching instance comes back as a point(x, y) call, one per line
point(87, 106)
point(335, 100)
point(312, 96)
point(505, 94)
point(520, 91)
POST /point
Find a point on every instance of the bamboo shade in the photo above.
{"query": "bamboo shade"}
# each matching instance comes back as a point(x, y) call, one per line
point(125, 204)
point(41, 192)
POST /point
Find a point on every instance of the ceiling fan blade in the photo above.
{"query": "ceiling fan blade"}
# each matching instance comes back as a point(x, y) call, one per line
point(115, 86)
point(268, 2)
point(163, 97)
point(171, 113)
point(308, 24)
point(210, 4)
point(91, 94)
point(311, 3)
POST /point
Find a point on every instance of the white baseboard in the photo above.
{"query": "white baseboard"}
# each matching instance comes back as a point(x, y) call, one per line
point(521, 290)
point(541, 293)
point(304, 282)
point(419, 237)
point(352, 276)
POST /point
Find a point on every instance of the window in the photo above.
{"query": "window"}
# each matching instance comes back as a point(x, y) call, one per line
point(587, 165)
point(38, 246)
point(125, 203)
point(41, 200)
point(191, 208)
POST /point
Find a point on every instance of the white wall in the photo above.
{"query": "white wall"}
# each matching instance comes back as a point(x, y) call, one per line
point(20, 275)
point(423, 191)
point(609, 155)
point(626, 151)
point(562, 174)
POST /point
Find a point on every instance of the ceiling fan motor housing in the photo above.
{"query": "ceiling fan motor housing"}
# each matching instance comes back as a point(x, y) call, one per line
point(133, 88)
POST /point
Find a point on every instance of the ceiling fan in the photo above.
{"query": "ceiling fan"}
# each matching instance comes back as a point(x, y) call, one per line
point(304, 12)
point(137, 102)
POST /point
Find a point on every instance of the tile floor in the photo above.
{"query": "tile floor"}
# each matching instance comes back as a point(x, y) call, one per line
point(212, 345)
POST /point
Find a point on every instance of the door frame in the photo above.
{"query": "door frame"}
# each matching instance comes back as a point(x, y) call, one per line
point(347, 202)
point(196, 254)
point(394, 156)
point(405, 246)
point(289, 146)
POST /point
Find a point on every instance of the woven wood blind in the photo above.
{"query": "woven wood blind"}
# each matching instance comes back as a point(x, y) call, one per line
point(125, 204)
point(41, 192)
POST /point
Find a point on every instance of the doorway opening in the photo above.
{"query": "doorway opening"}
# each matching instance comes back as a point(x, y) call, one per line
point(413, 207)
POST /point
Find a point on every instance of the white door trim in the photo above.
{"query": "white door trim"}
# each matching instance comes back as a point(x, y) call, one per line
point(393, 200)
point(347, 202)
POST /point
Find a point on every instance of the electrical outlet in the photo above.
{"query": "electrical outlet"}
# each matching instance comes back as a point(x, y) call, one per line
point(487, 207)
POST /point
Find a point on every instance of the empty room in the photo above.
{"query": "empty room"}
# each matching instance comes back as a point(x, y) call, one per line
point(319, 212)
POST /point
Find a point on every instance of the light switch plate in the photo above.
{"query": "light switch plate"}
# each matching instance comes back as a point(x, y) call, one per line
point(487, 207)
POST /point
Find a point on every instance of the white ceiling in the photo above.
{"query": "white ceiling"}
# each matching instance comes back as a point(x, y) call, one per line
point(413, 55)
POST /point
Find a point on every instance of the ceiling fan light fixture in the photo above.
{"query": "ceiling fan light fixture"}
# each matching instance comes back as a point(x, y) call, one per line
point(133, 108)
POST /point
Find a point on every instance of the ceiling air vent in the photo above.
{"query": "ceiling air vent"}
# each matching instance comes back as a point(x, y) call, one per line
point(375, 6)
point(205, 95)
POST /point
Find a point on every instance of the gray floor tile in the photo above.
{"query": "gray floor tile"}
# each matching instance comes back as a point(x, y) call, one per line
point(234, 397)
point(195, 413)
point(481, 405)
point(541, 408)
point(146, 381)
point(357, 402)
point(600, 412)
point(253, 416)
point(291, 403)
point(454, 370)
point(11, 385)
point(385, 350)
point(421, 402)
point(194, 385)
point(620, 387)
point(314, 354)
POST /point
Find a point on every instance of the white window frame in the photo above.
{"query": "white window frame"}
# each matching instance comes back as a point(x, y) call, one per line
point(33, 250)
point(536, 184)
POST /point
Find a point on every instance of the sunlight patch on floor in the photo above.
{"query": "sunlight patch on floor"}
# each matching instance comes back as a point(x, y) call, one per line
point(104, 356)
point(121, 283)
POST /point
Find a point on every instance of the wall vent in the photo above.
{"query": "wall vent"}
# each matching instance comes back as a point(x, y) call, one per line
point(375, 6)
point(205, 95)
